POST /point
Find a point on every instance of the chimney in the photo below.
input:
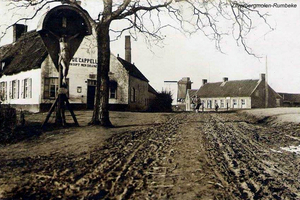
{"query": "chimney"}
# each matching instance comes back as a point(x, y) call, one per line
point(18, 30)
point(225, 79)
point(204, 81)
point(263, 77)
point(264, 80)
point(127, 49)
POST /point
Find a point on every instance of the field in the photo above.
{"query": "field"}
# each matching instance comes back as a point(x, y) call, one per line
point(244, 155)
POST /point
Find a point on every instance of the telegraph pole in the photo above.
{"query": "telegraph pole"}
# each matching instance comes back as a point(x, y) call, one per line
point(266, 85)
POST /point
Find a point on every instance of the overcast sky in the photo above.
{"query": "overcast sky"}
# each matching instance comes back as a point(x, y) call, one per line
point(196, 56)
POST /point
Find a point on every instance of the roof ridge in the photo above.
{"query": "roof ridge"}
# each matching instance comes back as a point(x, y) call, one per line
point(132, 69)
point(233, 81)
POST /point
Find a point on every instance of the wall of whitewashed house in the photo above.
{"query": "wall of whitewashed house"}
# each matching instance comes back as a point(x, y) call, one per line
point(229, 100)
point(32, 98)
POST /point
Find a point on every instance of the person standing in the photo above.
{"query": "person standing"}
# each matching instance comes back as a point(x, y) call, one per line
point(216, 107)
point(198, 104)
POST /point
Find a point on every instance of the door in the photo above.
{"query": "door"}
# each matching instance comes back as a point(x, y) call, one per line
point(91, 89)
point(278, 104)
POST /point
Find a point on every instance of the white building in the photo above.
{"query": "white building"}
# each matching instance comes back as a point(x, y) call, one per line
point(238, 94)
point(29, 79)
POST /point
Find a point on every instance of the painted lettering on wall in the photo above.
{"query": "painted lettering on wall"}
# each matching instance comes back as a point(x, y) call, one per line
point(83, 62)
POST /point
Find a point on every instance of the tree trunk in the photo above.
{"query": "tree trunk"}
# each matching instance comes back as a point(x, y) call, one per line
point(101, 112)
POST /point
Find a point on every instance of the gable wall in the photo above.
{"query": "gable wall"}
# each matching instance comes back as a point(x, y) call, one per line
point(259, 97)
point(141, 94)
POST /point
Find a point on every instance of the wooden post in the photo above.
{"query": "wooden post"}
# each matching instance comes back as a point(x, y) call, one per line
point(59, 103)
point(58, 119)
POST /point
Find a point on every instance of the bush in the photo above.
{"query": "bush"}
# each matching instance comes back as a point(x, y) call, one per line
point(8, 117)
point(8, 122)
point(162, 103)
point(12, 128)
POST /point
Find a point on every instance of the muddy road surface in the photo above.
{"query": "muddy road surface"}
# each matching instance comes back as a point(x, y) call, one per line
point(187, 156)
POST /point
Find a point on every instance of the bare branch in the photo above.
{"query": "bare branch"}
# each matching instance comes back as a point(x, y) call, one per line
point(135, 9)
point(28, 18)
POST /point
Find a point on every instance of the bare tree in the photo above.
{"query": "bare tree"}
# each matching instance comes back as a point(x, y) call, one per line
point(147, 17)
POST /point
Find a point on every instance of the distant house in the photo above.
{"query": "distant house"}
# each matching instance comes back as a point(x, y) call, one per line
point(29, 79)
point(238, 94)
point(290, 100)
point(189, 98)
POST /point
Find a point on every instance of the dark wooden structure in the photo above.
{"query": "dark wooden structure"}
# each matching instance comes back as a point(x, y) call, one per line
point(64, 21)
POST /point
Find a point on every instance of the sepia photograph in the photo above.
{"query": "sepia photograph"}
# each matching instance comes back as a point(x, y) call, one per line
point(149, 99)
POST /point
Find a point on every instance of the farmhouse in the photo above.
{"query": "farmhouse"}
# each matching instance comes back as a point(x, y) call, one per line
point(29, 79)
point(239, 94)
point(290, 99)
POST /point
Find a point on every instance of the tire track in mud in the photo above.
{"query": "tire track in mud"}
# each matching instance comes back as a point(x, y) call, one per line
point(231, 157)
point(246, 164)
point(125, 168)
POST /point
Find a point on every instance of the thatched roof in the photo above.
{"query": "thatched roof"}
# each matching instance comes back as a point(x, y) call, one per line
point(241, 88)
point(27, 53)
point(191, 92)
point(132, 69)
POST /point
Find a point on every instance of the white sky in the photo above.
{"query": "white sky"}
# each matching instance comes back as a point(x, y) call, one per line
point(197, 58)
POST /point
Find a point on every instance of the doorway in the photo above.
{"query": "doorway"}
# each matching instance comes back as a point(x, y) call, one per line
point(91, 89)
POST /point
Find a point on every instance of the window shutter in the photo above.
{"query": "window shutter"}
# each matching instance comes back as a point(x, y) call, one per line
point(5, 90)
point(23, 89)
point(18, 89)
point(30, 87)
point(10, 89)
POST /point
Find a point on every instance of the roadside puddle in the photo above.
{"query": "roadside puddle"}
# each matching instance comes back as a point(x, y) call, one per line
point(292, 149)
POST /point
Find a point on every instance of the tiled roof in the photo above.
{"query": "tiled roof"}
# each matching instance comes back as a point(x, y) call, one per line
point(151, 89)
point(27, 53)
point(241, 88)
point(132, 69)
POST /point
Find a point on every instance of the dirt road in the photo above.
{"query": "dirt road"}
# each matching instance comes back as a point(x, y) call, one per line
point(184, 156)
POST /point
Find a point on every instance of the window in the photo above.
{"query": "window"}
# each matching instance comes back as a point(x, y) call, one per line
point(3, 93)
point(112, 93)
point(203, 103)
point(208, 103)
point(91, 82)
point(216, 102)
point(27, 88)
point(132, 94)
point(257, 93)
point(79, 89)
point(51, 87)
point(222, 103)
point(14, 89)
point(243, 102)
point(234, 102)
point(112, 89)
